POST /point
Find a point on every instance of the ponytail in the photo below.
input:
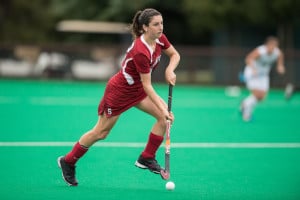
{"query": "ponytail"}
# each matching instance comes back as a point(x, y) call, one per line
point(142, 18)
point(136, 28)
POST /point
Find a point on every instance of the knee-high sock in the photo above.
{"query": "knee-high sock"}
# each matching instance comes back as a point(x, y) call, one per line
point(153, 144)
point(249, 103)
point(77, 152)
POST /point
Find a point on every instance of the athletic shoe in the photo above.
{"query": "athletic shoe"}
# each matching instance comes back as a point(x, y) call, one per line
point(288, 92)
point(68, 171)
point(246, 115)
point(148, 163)
point(242, 108)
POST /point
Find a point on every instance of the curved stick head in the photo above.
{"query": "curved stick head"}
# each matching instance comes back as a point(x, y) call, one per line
point(164, 174)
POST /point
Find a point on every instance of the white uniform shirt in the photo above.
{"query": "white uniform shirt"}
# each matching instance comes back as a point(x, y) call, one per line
point(263, 65)
point(265, 60)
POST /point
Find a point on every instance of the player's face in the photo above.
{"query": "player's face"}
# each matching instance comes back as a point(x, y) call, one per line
point(155, 28)
point(271, 45)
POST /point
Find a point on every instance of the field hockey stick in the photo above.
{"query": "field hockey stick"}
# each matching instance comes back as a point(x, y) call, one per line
point(288, 91)
point(288, 87)
point(165, 173)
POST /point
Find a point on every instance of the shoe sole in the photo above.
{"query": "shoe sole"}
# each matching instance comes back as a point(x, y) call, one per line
point(62, 174)
point(141, 166)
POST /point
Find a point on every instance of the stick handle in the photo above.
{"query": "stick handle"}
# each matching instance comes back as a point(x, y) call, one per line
point(170, 97)
point(168, 139)
point(165, 174)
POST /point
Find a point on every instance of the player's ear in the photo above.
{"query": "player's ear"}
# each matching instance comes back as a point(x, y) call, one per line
point(145, 28)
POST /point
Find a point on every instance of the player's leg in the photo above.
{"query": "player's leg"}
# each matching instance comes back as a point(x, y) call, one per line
point(250, 102)
point(250, 79)
point(98, 132)
point(258, 87)
point(147, 158)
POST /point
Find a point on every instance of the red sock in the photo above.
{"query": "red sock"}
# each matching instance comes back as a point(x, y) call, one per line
point(77, 152)
point(153, 144)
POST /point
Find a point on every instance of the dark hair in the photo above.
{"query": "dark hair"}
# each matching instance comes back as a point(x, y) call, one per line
point(142, 18)
point(271, 38)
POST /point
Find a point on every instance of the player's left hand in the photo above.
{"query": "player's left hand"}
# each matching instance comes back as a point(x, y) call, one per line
point(171, 117)
point(170, 77)
point(281, 69)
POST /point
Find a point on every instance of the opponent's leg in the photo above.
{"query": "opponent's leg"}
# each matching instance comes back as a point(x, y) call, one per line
point(249, 103)
point(247, 107)
point(258, 86)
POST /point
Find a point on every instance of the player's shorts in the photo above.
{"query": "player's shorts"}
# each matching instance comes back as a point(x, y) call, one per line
point(256, 82)
point(116, 100)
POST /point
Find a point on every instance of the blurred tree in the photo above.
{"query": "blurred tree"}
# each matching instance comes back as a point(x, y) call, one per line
point(120, 11)
point(186, 21)
point(94, 10)
point(23, 21)
point(78, 9)
point(287, 15)
point(213, 15)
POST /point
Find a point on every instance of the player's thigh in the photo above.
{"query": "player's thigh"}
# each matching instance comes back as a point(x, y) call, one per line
point(248, 73)
point(149, 107)
point(105, 124)
point(259, 94)
point(258, 83)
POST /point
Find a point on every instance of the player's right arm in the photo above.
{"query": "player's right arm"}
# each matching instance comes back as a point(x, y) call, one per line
point(250, 59)
point(174, 56)
point(280, 63)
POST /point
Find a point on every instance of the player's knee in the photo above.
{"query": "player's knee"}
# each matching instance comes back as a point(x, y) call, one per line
point(162, 122)
point(101, 135)
point(260, 97)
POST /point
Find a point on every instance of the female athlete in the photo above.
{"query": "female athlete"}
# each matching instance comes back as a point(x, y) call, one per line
point(132, 87)
point(256, 73)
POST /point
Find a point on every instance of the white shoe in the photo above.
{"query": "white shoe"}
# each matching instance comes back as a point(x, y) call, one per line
point(246, 114)
point(246, 117)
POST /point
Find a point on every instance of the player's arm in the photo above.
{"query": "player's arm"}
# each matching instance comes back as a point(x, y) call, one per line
point(155, 98)
point(280, 64)
point(174, 57)
point(251, 57)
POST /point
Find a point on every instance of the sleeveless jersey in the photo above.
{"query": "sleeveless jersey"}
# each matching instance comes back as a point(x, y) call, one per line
point(265, 60)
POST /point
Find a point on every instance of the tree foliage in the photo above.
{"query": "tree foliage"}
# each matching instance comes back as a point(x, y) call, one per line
point(24, 21)
point(213, 15)
point(35, 20)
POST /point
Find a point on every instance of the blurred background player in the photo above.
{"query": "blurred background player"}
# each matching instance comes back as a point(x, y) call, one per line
point(132, 86)
point(256, 74)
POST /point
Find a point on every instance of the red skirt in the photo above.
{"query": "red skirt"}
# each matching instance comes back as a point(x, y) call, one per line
point(117, 99)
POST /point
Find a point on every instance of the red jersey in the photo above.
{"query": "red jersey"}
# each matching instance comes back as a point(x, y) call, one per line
point(125, 88)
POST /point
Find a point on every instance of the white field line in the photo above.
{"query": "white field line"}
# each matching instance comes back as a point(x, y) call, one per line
point(141, 145)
